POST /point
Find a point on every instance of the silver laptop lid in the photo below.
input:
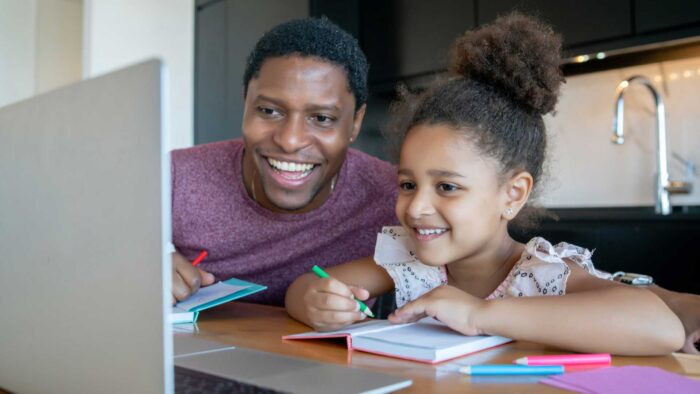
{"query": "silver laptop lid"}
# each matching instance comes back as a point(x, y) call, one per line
point(288, 374)
point(84, 220)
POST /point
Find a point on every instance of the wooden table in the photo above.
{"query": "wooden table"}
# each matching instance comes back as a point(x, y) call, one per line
point(261, 327)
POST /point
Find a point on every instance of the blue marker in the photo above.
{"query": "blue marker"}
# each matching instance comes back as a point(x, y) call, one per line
point(509, 369)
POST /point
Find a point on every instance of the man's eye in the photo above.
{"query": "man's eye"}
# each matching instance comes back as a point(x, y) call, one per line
point(447, 187)
point(267, 111)
point(323, 119)
point(407, 186)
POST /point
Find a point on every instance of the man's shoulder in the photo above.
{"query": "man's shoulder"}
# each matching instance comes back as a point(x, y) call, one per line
point(371, 168)
point(213, 152)
point(371, 174)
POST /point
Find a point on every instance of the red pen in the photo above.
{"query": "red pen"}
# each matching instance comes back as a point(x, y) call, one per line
point(200, 258)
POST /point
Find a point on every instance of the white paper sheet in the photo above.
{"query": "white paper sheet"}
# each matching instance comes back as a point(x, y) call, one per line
point(209, 293)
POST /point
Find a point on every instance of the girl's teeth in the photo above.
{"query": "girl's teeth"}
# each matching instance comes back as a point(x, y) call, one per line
point(431, 231)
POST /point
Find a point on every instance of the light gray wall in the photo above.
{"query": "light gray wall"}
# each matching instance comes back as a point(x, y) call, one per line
point(59, 43)
point(17, 45)
point(40, 46)
point(118, 33)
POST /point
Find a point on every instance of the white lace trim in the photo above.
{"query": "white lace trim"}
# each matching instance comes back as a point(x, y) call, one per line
point(394, 252)
point(541, 270)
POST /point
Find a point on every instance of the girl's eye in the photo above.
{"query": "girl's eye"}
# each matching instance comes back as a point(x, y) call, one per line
point(407, 186)
point(447, 187)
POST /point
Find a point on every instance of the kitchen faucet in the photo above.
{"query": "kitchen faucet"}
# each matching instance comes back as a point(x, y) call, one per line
point(664, 187)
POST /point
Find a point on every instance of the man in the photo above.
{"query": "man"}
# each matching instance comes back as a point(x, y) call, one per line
point(291, 194)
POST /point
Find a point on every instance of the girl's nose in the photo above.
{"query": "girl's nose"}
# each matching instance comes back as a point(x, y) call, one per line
point(292, 135)
point(420, 205)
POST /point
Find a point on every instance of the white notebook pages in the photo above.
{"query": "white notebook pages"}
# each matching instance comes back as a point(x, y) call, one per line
point(427, 340)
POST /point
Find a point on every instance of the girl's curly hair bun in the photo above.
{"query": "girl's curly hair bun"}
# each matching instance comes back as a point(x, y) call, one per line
point(516, 54)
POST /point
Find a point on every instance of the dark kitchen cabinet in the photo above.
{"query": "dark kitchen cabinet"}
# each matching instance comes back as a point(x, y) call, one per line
point(401, 38)
point(631, 239)
point(408, 41)
point(598, 25)
point(412, 37)
point(579, 22)
point(654, 15)
point(210, 74)
point(225, 32)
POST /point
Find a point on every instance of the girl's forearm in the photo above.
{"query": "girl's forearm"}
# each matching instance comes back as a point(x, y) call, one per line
point(623, 321)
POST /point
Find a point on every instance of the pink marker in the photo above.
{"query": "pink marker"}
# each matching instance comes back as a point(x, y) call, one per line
point(566, 359)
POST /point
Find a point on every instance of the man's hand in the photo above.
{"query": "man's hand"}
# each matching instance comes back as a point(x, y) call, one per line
point(187, 279)
point(687, 307)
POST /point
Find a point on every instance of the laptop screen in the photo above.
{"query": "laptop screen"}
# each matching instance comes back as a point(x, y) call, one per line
point(84, 220)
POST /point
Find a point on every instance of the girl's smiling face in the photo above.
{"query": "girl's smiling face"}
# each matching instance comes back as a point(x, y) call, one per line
point(450, 198)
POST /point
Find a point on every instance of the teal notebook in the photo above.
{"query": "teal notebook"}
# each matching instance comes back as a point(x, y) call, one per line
point(187, 311)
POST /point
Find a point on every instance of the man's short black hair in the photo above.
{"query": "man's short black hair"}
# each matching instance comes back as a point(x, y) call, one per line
point(316, 38)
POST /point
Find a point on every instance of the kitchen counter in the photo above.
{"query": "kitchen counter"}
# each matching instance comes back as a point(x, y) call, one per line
point(688, 213)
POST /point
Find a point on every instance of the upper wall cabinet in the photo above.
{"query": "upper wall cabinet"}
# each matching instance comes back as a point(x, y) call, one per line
point(655, 15)
point(579, 22)
point(402, 39)
point(412, 37)
point(603, 25)
point(225, 33)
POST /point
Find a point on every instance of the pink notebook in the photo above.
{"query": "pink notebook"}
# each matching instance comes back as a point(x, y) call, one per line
point(623, 380)
point(427, 340)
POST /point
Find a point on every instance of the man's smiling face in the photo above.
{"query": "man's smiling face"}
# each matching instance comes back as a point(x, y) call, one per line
point(299, 119)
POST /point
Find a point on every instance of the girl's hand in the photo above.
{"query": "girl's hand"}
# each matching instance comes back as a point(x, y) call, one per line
point(455, 308)
point(329, 304)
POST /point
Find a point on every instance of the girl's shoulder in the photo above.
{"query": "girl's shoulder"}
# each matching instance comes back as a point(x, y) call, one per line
point(562, 252)
point(543, 269)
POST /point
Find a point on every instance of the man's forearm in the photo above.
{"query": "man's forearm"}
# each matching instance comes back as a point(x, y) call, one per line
point(687, 307)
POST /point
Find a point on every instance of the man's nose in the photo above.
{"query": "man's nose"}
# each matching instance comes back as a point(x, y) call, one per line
point(292, 136)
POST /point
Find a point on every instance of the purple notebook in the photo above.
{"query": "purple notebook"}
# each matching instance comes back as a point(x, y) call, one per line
point(620, 380)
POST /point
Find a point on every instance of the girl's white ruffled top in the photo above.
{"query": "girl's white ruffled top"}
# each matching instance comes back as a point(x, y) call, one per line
point(541, 270)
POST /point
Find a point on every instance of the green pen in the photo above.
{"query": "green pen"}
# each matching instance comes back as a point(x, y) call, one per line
point(322, 274)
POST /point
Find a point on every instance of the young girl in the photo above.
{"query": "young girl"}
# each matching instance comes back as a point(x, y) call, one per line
point(473, 150)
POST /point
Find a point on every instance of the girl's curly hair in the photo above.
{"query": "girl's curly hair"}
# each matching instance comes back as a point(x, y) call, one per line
point(503, 77)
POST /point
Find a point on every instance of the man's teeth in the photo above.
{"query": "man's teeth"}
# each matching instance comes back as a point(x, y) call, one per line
point(289, 166)
point(431, 231)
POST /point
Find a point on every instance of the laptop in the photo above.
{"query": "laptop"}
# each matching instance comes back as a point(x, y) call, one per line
point(85, 271)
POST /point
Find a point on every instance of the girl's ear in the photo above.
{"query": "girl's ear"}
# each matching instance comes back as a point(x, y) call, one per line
point(518, 190)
